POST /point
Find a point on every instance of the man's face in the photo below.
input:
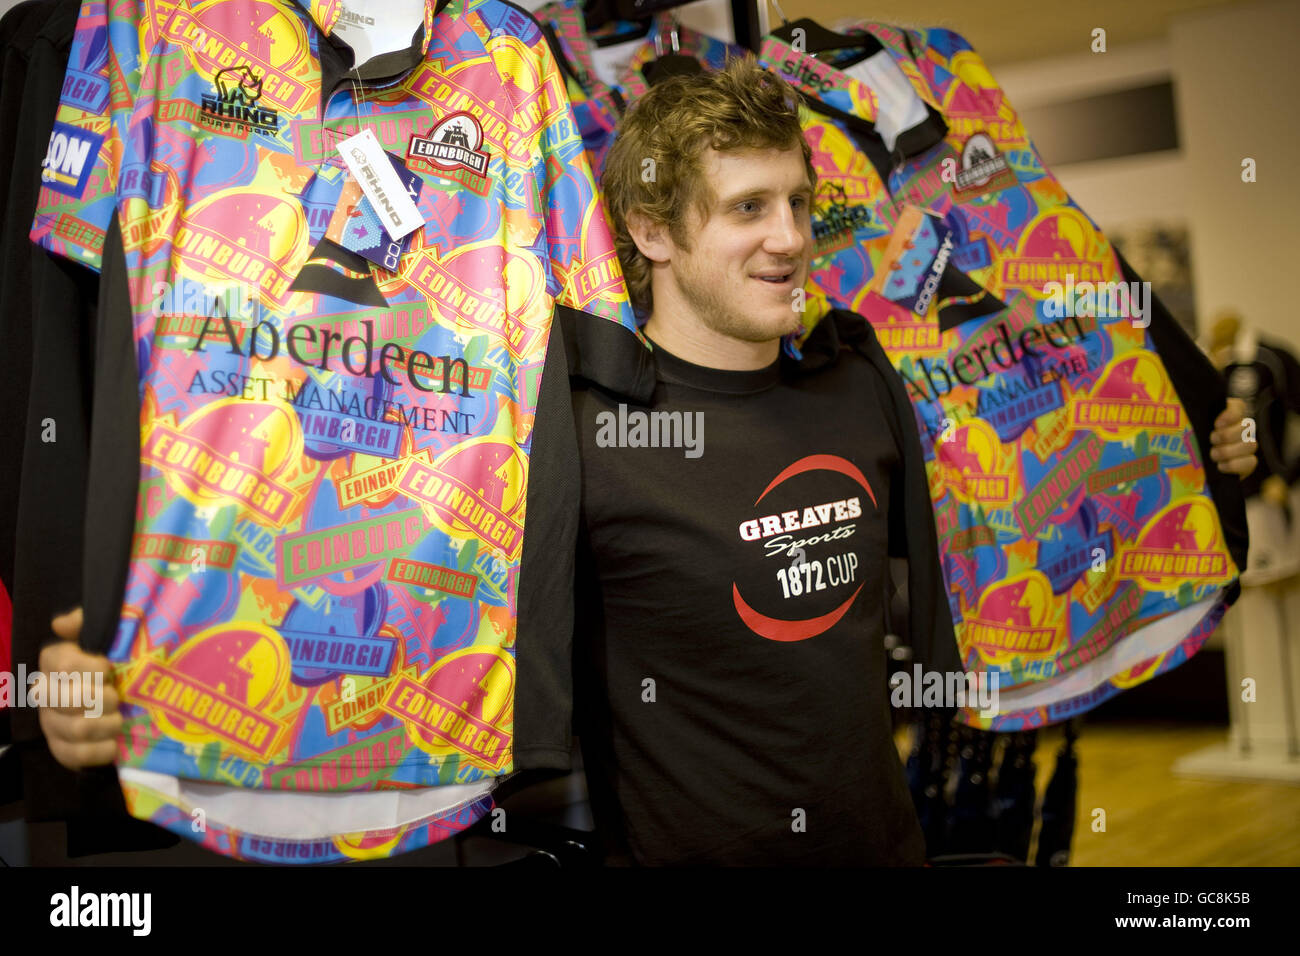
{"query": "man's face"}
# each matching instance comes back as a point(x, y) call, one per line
point(750, 254)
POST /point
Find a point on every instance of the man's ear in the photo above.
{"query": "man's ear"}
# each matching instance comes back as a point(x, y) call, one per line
point(650, 237)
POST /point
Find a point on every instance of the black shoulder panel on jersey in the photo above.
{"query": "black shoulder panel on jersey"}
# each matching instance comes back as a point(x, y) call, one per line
point(606, 354)
point(544, 638)
point(114, 455)
point(912, 533)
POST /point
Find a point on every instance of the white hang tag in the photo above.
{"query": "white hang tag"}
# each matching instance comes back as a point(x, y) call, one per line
point(365, 159)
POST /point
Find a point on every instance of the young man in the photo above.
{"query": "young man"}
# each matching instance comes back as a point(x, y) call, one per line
point(736, 577)
point(733, 706)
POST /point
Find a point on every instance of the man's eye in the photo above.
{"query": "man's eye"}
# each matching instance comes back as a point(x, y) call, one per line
point(748, 207)
point(798, 202)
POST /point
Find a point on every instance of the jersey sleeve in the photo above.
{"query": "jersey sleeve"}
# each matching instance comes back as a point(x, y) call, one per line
point(78, 194)
point(584, 264)
point(575, 241)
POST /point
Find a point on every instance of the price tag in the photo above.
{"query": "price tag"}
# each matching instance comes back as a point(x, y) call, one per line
point(369, 165)
point(355, 225)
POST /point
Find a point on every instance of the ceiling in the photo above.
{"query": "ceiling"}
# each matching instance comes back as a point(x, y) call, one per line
point(1010, 30)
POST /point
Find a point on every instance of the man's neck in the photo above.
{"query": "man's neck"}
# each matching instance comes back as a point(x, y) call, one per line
point(689, 339)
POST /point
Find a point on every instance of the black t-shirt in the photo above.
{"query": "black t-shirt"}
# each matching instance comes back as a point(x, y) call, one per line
point(733, 699)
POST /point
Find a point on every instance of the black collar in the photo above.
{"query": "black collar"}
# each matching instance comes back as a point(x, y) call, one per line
point(338, 61)
point(911, 142)
point(838, 329)
point(671, 368)
point(914, 141)
point(605, 354)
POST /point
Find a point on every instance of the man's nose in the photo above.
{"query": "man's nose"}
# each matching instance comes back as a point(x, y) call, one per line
point(785, 237)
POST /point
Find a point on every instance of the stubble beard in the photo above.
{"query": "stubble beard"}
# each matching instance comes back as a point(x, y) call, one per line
point(717, 315)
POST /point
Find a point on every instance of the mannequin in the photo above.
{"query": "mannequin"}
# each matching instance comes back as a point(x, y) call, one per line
point(1261, 637)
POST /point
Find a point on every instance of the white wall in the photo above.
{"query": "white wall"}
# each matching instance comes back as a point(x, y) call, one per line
point(1115, 192)
point(1237, 91)
point(712, 17)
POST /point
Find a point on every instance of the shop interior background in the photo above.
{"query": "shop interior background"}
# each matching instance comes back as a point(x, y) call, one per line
point(1150, 137)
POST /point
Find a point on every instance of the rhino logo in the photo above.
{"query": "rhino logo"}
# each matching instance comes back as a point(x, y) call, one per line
point(238, 84)
point(237, 103)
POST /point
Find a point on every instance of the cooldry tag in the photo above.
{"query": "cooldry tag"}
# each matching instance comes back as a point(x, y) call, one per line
point(365, 159)
point(356, 226)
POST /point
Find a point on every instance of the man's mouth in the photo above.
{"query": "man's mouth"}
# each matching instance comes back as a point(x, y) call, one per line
point(776, 278)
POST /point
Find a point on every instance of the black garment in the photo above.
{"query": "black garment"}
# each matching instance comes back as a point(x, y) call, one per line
point(34, 41)
point(13, 69)
point(770, 701)
point(35, 38)
point(1269, 383)
point(83, 363)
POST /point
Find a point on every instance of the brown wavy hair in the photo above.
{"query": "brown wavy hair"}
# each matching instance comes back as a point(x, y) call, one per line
point(738, 107)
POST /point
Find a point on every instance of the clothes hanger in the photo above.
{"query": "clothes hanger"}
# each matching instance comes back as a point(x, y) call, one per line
point(816, 39)
point(596, 13)
point(672, 63)
point(600, 13)
point(636, 30)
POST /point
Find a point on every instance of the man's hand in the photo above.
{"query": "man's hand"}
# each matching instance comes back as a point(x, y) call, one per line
point(1236, 457)
point(78, 741)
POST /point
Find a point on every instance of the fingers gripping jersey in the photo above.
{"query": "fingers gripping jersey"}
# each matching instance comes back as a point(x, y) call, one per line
point(316, 649)
point(1081, 547)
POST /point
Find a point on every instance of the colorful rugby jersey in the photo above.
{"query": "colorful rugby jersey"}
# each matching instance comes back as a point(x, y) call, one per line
point(598, 106)
point(316, 646)
point(1082, 547)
